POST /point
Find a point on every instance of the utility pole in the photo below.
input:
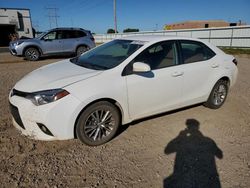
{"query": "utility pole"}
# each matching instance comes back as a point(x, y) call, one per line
point(52, 14)
point(115, 19)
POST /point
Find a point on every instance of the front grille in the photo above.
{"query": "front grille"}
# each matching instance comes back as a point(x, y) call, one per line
point(15, 113)
point(19, 93)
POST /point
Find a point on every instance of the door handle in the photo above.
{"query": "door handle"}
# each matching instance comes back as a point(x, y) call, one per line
point(215, 65)
point(175, 74)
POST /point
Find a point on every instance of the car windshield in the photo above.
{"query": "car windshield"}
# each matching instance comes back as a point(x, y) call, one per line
point(108, 55)
point(40, 35)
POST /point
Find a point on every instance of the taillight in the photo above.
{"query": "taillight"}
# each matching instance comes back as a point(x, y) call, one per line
point(235, 62)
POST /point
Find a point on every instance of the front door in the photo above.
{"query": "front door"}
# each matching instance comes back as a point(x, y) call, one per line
point(159, 90)
point(52, 43)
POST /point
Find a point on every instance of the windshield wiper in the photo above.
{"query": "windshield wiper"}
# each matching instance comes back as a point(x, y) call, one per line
point(88, 65)
point(98, 67)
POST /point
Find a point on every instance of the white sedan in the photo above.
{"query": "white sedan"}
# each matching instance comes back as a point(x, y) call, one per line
point(90, 96)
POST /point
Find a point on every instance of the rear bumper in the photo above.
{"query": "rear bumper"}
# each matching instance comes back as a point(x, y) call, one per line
point(234, 76)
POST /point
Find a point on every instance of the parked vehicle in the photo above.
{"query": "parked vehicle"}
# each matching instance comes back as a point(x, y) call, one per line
point(58, 41)
point(90, 96)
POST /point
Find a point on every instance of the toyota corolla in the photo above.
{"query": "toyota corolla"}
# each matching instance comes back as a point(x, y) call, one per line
point(90, 96)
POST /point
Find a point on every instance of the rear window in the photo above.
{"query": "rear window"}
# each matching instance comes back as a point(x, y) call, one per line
point(79, 34)
point(73, 34)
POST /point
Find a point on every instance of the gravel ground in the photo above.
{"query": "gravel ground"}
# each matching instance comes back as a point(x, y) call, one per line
point(152, 152)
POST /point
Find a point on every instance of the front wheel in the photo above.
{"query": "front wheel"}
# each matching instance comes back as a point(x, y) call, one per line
point(98, 123)
point(32, 54)
point(218, 95)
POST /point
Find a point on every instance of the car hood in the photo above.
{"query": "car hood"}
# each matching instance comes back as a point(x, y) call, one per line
point(23, 40)
point(56, 75)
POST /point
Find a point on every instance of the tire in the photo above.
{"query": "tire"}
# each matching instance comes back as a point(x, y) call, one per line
point(98, 123)
point(32, 54)
point(218, 95)
point(81, 49)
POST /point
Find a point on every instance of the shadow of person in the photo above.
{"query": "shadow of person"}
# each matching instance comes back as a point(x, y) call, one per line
point(195, 165)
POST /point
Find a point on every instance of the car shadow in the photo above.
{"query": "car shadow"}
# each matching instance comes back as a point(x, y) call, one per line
point(195, 165)
point(124, 127)
point(43, 58)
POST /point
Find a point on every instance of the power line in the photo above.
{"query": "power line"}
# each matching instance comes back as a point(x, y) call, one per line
point(89, 5)
point(52, 14)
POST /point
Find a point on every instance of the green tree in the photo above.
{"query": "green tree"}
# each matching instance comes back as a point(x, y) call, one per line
point(110, 31)
point(130, 30)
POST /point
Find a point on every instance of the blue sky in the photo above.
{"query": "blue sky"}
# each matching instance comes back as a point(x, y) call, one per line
point(97, 15)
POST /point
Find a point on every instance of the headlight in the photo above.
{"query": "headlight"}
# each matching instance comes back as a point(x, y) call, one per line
point(48, 96)
point(18, 43)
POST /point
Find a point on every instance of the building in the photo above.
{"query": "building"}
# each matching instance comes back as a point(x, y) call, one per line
point(14, 22)
point(200, 24)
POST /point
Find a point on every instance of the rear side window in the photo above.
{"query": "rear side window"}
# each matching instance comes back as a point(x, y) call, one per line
point(79, 34)
point(69, 34)
point(193, 51)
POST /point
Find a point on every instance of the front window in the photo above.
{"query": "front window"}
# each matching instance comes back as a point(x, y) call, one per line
point(108, 55)
point(40, 35)
point(159, 55)
point(50, 36)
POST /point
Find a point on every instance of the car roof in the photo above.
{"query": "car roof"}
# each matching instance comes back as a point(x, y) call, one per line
point(154, 38)
point(157, 38)
point(68, 28)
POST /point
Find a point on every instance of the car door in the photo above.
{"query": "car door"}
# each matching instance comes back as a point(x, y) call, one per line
point(52, 42)
point(69, 40)
point(159, 90)
point(198, 71)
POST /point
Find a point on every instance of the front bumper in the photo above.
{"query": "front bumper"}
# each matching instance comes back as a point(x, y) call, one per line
point(57, 117)
point(16, 50)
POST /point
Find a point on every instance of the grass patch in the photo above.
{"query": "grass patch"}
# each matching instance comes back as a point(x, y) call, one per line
point(98, 43)
point(236, 51)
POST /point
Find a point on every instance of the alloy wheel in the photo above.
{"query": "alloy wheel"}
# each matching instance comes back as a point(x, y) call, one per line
point(32, 54)
point(99, 124)
point(219, 94)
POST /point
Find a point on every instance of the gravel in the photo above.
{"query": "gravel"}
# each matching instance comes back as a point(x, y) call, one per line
point(152, 152)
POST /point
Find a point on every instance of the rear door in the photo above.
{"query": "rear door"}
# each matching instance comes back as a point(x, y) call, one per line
point(72, 39)
point(68, 40)
point(198, 70)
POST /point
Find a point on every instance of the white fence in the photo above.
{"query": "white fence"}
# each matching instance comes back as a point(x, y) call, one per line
point(238, 36)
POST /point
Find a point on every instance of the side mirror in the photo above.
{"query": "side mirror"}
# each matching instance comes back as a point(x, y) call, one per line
point(141, 67)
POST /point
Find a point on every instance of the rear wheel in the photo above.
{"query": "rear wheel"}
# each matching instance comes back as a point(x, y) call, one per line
point(81, 49)
point(218, 95)
point(32, 54)
point(98, 123)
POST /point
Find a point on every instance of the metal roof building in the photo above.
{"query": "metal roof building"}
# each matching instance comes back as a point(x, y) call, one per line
point(200, 24)
point(14, 22)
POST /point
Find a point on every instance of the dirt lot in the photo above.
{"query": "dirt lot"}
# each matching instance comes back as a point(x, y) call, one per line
point(143, 154)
